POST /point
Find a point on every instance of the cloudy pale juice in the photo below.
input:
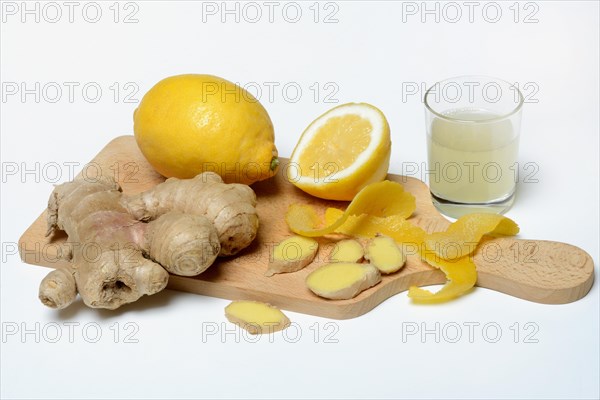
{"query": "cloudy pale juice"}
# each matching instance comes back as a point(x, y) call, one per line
point(472, 156)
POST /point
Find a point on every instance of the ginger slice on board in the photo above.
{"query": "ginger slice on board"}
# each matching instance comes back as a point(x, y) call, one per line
point(348, 250)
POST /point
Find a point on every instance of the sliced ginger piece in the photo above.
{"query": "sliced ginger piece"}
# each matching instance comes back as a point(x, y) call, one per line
point(341, 281)
point(348, 250)
point(383, 253)
point(292, 254)
point(256, 317)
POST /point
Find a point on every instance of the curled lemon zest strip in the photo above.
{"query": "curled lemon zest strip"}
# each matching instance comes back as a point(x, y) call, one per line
point(367, 226)
point(462, 237)
point(381, 199)
point(451, 252)
point(461, 275)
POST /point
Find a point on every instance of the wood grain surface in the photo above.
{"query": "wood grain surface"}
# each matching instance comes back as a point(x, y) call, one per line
point(536, 270)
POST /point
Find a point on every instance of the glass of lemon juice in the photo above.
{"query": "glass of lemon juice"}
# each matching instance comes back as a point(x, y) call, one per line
point(473, 129)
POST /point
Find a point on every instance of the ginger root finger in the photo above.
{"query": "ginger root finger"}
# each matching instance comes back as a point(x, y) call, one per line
point(347, 250)
point(384, 253)
point(58, 289)
point(183, 244)
point(341, 281)
point(67, 197)
point(230, 207)
point(256, 317)
point(292, 254)
point(118, 277)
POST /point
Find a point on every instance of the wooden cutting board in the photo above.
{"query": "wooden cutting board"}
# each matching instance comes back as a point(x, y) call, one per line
point(536, 270)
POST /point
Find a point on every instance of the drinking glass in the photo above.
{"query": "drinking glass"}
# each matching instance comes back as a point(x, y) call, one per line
point(473, 129)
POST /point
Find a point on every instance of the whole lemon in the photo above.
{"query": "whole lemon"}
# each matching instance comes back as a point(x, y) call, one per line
point(188, 124)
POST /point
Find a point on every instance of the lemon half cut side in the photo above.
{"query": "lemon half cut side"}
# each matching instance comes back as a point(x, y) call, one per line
point(342, 151)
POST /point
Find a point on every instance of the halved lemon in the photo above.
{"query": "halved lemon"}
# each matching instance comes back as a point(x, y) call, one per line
point(341, 152)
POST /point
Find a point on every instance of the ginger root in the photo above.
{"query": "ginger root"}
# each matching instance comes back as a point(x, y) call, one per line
point(58, 289)
point(347, 250)
point(384, 253)
point(229, 207)
point(292, 254)
point(341, 281)
point(256, 317)
point(115, 258)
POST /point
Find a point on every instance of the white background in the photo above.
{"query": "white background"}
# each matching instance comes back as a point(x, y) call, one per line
point(373, 53)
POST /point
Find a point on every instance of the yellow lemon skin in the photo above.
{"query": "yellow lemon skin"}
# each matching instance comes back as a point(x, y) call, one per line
point(188, 124)
point(373, 169)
